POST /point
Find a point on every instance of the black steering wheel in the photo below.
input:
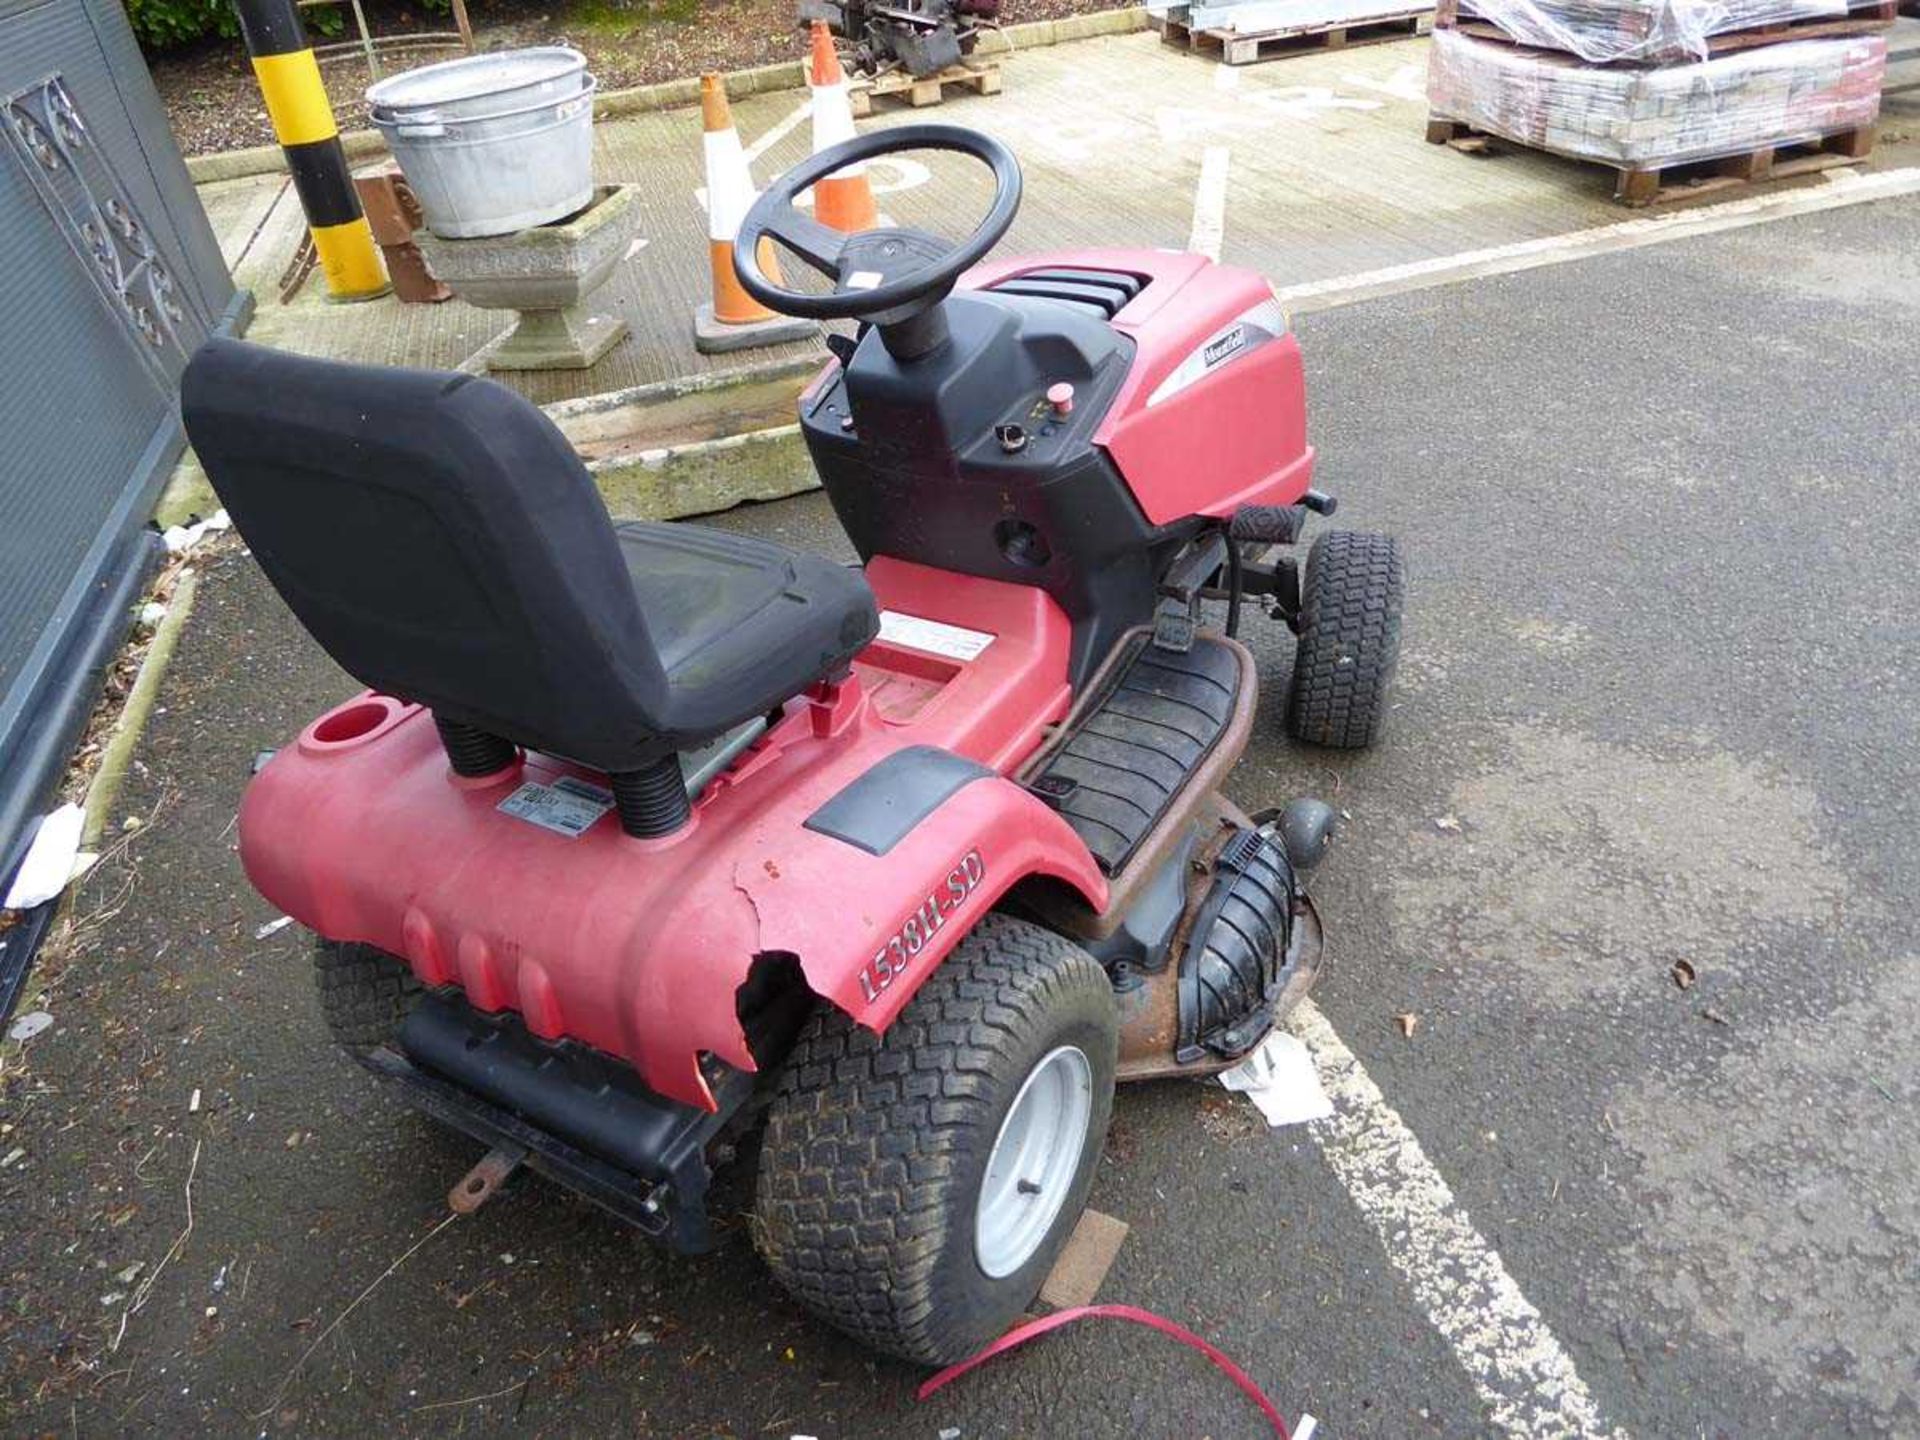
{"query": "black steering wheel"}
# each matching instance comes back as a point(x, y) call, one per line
point(885, 276)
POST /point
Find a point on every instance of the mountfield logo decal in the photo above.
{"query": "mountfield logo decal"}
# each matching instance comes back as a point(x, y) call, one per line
point(1258, 325)
point(1219, 348)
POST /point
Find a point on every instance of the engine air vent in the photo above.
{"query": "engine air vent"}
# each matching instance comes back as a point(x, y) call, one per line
point(1105, 292)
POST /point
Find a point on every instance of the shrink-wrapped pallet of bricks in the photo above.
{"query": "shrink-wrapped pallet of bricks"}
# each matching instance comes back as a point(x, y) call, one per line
point(1657, 32)
point(1649, 85)
point(1656, 117)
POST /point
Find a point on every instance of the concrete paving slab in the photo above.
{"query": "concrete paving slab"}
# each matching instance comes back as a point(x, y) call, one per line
point(237, 211)
point(1327, 174)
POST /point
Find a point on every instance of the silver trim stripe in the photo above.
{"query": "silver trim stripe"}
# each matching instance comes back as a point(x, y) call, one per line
point(1263, 324)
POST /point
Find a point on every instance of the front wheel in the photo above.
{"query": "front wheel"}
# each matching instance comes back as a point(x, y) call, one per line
point(917, 1186)
point(1349, 639)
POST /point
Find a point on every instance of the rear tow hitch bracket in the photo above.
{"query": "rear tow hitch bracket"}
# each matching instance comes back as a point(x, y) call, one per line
point(486, 1179)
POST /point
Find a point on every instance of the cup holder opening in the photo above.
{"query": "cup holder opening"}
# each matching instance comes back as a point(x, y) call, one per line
point(352, 723)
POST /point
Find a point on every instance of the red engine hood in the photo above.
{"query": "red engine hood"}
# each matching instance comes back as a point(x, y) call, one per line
point(1213, 414)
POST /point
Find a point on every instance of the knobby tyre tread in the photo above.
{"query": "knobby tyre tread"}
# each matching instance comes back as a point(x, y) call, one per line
point(1349, 644)
point(875, 1144)
point(365, 993)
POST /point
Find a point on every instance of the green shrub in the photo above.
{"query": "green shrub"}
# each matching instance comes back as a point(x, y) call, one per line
point(162, 24)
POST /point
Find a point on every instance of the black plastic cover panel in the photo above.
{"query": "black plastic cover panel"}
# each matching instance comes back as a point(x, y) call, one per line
point(916, 460)
point(875, 812)
point(1237, 952)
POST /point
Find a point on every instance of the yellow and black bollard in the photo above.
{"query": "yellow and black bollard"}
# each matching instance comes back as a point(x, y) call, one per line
point(303, 123)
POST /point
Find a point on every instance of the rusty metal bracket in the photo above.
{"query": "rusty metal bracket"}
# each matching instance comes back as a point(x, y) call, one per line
point(483, 1181)
point(299, 267)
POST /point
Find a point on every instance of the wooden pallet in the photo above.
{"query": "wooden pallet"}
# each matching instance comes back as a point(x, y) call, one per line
point(1660, 185)
point(1863, 17)
point(1235, 47)
point(980, 76)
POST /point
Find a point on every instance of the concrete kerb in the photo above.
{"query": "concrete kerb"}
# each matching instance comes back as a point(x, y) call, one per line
point(665, 95)
point(104, 788)
point(705, 476)
point(656, 452)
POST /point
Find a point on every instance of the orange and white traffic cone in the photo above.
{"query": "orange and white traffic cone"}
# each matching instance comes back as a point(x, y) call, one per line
point(846, 200)
point(733, 320)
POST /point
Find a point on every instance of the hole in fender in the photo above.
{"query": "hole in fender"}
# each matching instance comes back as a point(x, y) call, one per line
point(1022, 544)
point(771, 1004)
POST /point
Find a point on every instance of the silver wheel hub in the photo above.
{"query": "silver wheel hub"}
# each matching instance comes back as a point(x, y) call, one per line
point(1034, 1159)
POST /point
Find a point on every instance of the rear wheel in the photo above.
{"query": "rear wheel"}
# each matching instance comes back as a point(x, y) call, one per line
point(1349, 639)
point(917, 1186)
point(364, 993)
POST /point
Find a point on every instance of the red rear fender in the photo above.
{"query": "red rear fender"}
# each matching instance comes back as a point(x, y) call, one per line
point(360, 831)
point(869, 929)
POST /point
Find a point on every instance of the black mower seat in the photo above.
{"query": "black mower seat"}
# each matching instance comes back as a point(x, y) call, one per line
point(442, 541)
point(725, 607)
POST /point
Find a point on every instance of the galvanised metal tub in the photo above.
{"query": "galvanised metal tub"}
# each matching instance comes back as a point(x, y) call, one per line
point(490, 146)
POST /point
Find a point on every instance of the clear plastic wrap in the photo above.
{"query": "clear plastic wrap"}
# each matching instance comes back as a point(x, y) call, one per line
point(1644, 119)
point(1648, 32)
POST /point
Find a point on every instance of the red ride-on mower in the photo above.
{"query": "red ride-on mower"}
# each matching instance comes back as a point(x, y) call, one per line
point(644, 832)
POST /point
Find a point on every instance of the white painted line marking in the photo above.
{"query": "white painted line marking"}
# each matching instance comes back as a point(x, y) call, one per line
point(1840, 188)
point(1408, 82)
point(779, 131)
point(1517, 1366)
point(1210, 203)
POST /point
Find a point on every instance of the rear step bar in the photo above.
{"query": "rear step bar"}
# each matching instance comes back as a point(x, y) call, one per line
point(581, 1118)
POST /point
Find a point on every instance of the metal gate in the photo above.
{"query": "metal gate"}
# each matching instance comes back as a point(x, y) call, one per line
point(109, 277)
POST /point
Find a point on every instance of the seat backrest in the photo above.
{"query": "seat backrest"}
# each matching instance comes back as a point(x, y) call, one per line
point(442, 541)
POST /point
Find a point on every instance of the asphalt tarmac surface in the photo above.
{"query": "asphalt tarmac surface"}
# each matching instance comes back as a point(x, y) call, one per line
point(1656, 706)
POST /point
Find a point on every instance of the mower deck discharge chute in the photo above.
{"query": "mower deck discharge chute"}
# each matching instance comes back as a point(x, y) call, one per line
point(644, 833)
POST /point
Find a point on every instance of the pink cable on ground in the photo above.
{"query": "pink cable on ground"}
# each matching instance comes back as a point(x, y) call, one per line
point(1020, 1334)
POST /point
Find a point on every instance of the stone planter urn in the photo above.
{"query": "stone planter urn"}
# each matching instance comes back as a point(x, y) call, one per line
point(546, 273)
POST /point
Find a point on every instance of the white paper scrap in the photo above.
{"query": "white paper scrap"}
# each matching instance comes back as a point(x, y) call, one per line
point(30, 1025)
point(184, 537)
point(1279, 1078)
point(50, 859)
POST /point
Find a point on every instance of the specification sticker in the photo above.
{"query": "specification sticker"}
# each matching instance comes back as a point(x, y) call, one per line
point(566, 807)
point(936, 637)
